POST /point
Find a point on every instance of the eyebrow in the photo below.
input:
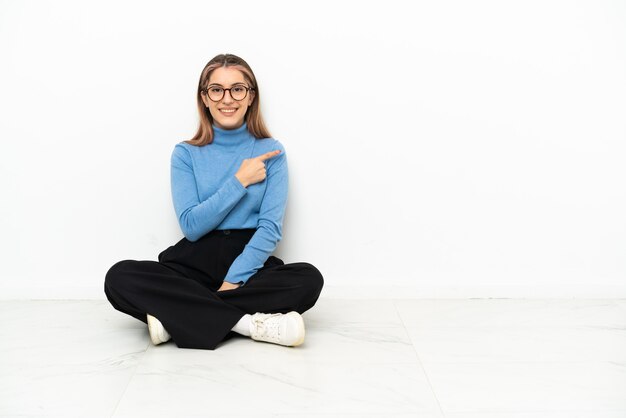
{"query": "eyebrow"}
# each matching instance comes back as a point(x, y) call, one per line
point(234, 84)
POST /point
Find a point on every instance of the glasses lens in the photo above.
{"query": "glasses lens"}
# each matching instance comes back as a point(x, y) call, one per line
point(216, 93)
point(238, 92)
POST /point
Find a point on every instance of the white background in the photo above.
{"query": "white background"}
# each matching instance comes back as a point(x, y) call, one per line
point(436, 149)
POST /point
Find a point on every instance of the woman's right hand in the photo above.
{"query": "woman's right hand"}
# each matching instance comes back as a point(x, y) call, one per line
point(252, 170)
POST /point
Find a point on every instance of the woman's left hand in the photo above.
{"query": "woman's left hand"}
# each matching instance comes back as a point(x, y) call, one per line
point(227, 286)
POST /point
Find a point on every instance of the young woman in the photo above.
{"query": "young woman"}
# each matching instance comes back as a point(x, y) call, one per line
point(229, 187)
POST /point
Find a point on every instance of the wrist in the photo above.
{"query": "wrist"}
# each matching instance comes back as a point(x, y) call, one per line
point(243, 183)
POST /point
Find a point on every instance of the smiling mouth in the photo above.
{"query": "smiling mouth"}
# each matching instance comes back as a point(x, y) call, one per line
point(228, 111)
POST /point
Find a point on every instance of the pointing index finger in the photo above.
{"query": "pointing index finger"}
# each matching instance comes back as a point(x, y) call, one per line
point(269, 155)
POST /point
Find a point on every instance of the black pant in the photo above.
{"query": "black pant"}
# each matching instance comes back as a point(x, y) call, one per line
point(180, 289)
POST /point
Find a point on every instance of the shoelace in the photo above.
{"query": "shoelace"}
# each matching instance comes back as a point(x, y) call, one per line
point(267, 327)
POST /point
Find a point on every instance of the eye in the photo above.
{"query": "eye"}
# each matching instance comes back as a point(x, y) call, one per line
point(215, 89)
point(238, 89)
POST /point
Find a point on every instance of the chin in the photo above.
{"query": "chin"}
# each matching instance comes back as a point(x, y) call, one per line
point(229, 124)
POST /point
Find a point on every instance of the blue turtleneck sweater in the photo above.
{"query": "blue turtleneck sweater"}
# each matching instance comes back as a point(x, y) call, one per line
point(208, 196)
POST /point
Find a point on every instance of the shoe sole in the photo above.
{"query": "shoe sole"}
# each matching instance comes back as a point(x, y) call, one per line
point(153, 327)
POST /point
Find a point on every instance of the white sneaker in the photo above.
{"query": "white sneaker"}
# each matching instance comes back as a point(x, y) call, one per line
point(158, 334)
point(284, 329)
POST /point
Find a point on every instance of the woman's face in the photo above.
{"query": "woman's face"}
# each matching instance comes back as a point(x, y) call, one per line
point(227, 112)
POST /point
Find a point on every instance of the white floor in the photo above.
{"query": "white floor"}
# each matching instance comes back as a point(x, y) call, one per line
point(472, 358)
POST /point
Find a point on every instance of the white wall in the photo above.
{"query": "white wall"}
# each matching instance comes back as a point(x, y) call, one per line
point(436, 149)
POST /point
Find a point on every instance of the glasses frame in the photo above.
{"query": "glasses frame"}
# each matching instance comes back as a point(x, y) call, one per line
point(206, 91)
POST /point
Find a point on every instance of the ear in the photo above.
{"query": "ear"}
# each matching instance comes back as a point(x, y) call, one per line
point(251, 99)
point(205, 99)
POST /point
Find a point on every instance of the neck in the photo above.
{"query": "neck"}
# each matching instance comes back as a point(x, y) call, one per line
point(231, 138)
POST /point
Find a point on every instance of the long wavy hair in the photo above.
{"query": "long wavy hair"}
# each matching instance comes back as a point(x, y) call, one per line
point(253, 118)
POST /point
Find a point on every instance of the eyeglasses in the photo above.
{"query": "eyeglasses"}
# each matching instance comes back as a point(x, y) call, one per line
point(237, 92)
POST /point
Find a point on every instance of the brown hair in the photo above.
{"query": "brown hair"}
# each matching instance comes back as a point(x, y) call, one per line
point(253, 117)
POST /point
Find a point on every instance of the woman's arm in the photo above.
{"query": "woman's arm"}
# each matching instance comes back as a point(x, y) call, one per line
point(269, 226)
point(198, 218)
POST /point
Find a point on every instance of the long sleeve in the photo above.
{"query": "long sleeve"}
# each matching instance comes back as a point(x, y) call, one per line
point(270, 223)
point(198, 218)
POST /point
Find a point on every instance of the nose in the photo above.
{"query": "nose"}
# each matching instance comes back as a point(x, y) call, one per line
point(227, 97)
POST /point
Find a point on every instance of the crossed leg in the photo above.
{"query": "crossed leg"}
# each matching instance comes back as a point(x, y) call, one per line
point(197, 316)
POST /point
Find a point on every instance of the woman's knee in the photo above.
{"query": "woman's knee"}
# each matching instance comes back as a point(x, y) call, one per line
point(312, 277)
point(312, 283)
point(115, 277)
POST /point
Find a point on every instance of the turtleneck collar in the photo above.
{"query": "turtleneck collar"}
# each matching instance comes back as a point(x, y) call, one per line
point(231, 138)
